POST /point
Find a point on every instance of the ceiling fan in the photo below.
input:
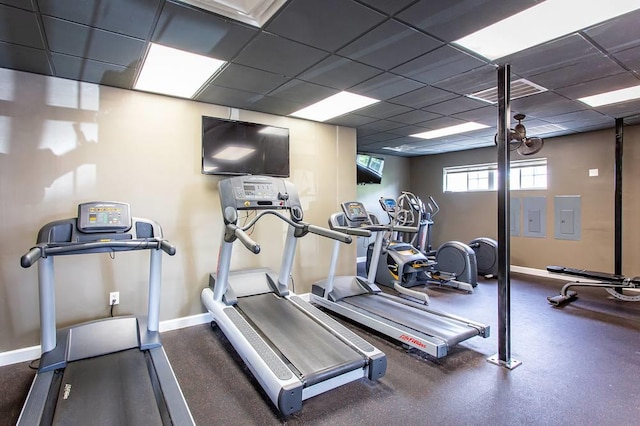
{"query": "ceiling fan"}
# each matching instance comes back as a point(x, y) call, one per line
point(518, 140)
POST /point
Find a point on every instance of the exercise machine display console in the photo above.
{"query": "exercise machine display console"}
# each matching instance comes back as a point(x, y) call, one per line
point(112, 371)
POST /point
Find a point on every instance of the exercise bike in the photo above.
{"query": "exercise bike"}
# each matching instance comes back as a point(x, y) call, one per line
point(399, 261)
point(618, 286)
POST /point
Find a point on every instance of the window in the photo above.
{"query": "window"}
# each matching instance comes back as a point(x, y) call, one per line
point(524, 174)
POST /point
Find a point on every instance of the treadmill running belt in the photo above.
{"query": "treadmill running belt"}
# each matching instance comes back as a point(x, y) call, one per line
point(447, 329)
point(312, 350)
point(113, 389)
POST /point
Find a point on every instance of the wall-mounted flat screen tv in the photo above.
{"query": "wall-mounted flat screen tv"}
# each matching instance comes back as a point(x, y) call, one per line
point(369, 169)
point(231, 147)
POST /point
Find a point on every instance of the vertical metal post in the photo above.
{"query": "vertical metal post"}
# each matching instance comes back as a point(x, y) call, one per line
point(47, 295)
point(618, 198)
point(503, 357)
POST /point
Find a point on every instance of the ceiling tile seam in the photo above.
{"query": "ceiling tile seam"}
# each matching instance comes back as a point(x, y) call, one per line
point(606, 54)
point(43, 37)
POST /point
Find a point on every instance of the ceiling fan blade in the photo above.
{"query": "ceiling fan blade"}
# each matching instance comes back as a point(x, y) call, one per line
point(530, 146)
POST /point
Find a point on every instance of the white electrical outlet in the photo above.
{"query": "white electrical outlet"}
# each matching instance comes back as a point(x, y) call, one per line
point(114, 298)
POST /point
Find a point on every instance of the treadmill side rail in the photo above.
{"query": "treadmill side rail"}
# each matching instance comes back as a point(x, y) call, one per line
point(33, 408)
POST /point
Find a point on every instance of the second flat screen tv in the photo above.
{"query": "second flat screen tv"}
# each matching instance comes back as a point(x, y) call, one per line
point(232, 147)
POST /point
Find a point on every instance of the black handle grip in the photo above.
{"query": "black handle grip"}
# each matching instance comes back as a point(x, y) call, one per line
point(167, 247)
point(31, 257)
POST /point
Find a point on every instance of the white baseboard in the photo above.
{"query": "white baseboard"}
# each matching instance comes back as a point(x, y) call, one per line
point(33, 352)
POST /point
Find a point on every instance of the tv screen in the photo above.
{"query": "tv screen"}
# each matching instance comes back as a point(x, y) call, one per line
point(231, 147)
point(369, 169)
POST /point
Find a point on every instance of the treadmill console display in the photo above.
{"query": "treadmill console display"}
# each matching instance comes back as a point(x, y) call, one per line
point(104, 217)
point(257, 193)
point(355, 211)
point(388, 204)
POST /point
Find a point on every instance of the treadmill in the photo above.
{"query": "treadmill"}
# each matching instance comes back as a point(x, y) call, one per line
point(112, 371)
point(360, 300)
point(294, 350)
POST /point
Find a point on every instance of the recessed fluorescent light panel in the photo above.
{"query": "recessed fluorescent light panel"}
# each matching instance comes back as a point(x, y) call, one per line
point(170, 71)
point(541, 23)
point(453, 130)
point(613, 97)
point(334, 106)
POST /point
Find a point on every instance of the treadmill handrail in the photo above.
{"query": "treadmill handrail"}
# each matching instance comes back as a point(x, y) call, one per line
point(45, 250)
point(301, 225)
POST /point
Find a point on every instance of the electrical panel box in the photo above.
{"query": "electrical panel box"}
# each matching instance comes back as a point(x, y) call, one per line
point(535, 217)
point(514, 217)
point(568, 217)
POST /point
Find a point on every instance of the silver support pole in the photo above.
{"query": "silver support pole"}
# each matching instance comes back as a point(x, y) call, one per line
point(503, 357)
point(155, 283)
point(375, 257)
point(332, 269)
point(222, 274)
point(287, 258)
point(47, 294)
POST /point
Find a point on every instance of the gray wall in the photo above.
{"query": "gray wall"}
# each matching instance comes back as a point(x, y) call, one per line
point(465, 216)
point(64, 142)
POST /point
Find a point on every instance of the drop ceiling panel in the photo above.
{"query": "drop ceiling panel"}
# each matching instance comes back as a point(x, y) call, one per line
point(407, 130)
point(278, 55)
point(383, 110)
point(382, 126)
point(19, 27)
point(24, 58)
point(248, 79)
point(545, 104)
point(614, 82)
point(472, 81)
point(423, 97)
point(451, 20)
point(388, 7)
point(389, 45)
point(437, 65)
point(579, 72)
point(18, 3)
point(455, 106)
point(132, 18)
point(326, 24)
point(351, 120)
point(339, 73)
point(630, 58)
point(620, 110)
point(228, 97)
point(91, 43)
point(486, 115)
point(439, 123)
point(413, 117)
point(619, 33)
point(302, 92)
point(278, 106)
point(186, 28)
point(93, 71)
point(553, 55)
point(385, 86)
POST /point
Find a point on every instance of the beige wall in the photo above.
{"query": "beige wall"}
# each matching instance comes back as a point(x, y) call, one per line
point(465, 216)
point(64, 142)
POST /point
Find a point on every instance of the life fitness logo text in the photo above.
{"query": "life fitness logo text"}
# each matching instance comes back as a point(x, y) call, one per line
point(412, 340)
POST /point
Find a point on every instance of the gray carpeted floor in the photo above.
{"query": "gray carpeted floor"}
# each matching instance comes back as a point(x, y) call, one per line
point(580, 365)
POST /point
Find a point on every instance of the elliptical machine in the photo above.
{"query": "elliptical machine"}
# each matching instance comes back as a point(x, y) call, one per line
point(400, 262)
